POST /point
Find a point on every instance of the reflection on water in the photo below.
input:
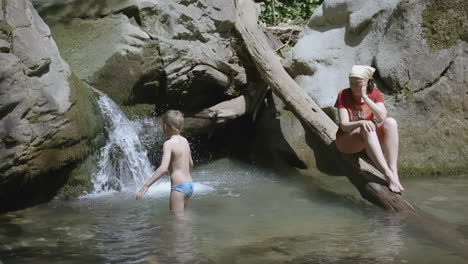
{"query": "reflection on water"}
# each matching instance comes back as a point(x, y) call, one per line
point(238, 214)
point(445, 197)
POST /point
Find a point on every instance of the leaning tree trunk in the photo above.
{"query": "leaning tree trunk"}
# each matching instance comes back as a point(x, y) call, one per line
point(368, 180)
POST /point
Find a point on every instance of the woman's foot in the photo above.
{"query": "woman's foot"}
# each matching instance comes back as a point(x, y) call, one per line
point(397, 179)
point(394, 183)
point(395, 187)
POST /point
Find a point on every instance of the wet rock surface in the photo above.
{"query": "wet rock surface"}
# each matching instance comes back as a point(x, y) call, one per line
point(48, 119)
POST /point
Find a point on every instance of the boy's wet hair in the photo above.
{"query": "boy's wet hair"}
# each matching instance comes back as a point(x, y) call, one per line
point(174, 119)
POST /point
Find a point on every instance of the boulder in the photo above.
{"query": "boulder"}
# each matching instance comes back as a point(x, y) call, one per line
point(48, 118)
point(150, 55)
point(420, 51)
point(280, 139)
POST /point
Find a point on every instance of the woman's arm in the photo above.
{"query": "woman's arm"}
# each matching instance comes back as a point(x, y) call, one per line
point(346, 125)
point(159, 171)
point(378, 109)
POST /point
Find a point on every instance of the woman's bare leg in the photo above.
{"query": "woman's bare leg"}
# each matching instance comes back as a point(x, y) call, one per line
point(374, 151)
point(390, 146)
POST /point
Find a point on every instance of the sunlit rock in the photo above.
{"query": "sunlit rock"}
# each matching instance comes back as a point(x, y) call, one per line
point(420, 51)
point(48, 119)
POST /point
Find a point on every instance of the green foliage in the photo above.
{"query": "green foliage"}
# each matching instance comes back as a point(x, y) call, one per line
point(288, 11)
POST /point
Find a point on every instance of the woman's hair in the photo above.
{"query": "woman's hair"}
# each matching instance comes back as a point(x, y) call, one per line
point(174, 119)
point(370, 85)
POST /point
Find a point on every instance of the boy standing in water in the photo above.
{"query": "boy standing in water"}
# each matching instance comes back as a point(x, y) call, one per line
point(178, 160)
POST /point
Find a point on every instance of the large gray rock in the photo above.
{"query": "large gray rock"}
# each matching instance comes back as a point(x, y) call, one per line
point(145, 54)
point(420, 51)
point(48, 118)
point(280, 140)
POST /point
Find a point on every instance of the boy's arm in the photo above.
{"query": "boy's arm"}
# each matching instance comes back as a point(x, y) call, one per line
point(190, 161)
point(166, 159)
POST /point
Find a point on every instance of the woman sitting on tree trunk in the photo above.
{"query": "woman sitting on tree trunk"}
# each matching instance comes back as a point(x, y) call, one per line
point(358, 106)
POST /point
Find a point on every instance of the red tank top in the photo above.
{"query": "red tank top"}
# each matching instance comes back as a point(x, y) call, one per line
point(357, 110)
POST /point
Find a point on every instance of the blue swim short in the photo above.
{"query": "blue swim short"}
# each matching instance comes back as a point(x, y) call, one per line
point(185, 188)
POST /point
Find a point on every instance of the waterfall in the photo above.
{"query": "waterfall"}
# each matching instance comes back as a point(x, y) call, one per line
point(123, 160)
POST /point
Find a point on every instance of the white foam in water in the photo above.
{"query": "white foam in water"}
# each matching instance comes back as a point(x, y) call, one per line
point(98, 194)
point(163, 188)
point(124, 162)
point(201, 188)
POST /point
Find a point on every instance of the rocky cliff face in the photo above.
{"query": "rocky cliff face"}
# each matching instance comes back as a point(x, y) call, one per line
point(420, 51)
point(153, 55)
point(48, 118)
point(150, 55)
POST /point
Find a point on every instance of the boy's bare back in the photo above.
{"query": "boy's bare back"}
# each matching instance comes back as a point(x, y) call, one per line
point(176, 159)
point(181, 163)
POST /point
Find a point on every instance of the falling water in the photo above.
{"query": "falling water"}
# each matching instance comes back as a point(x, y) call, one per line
point(123, 161)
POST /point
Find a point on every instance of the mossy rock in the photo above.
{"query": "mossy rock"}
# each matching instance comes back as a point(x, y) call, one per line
point(444, 23)
point(5, 28)
point(88, 119)
point(125, 80)
point(5, 31)
point(118, 75)
point(80, 179)
point(76, 139)
point(138, 110)
point(4, 4)
point(432, 172)
point(85, 111)
point(61, 158)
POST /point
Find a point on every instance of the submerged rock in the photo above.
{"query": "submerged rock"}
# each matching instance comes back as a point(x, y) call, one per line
point(422, 69)
point(48, 118)
point(311, 249)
